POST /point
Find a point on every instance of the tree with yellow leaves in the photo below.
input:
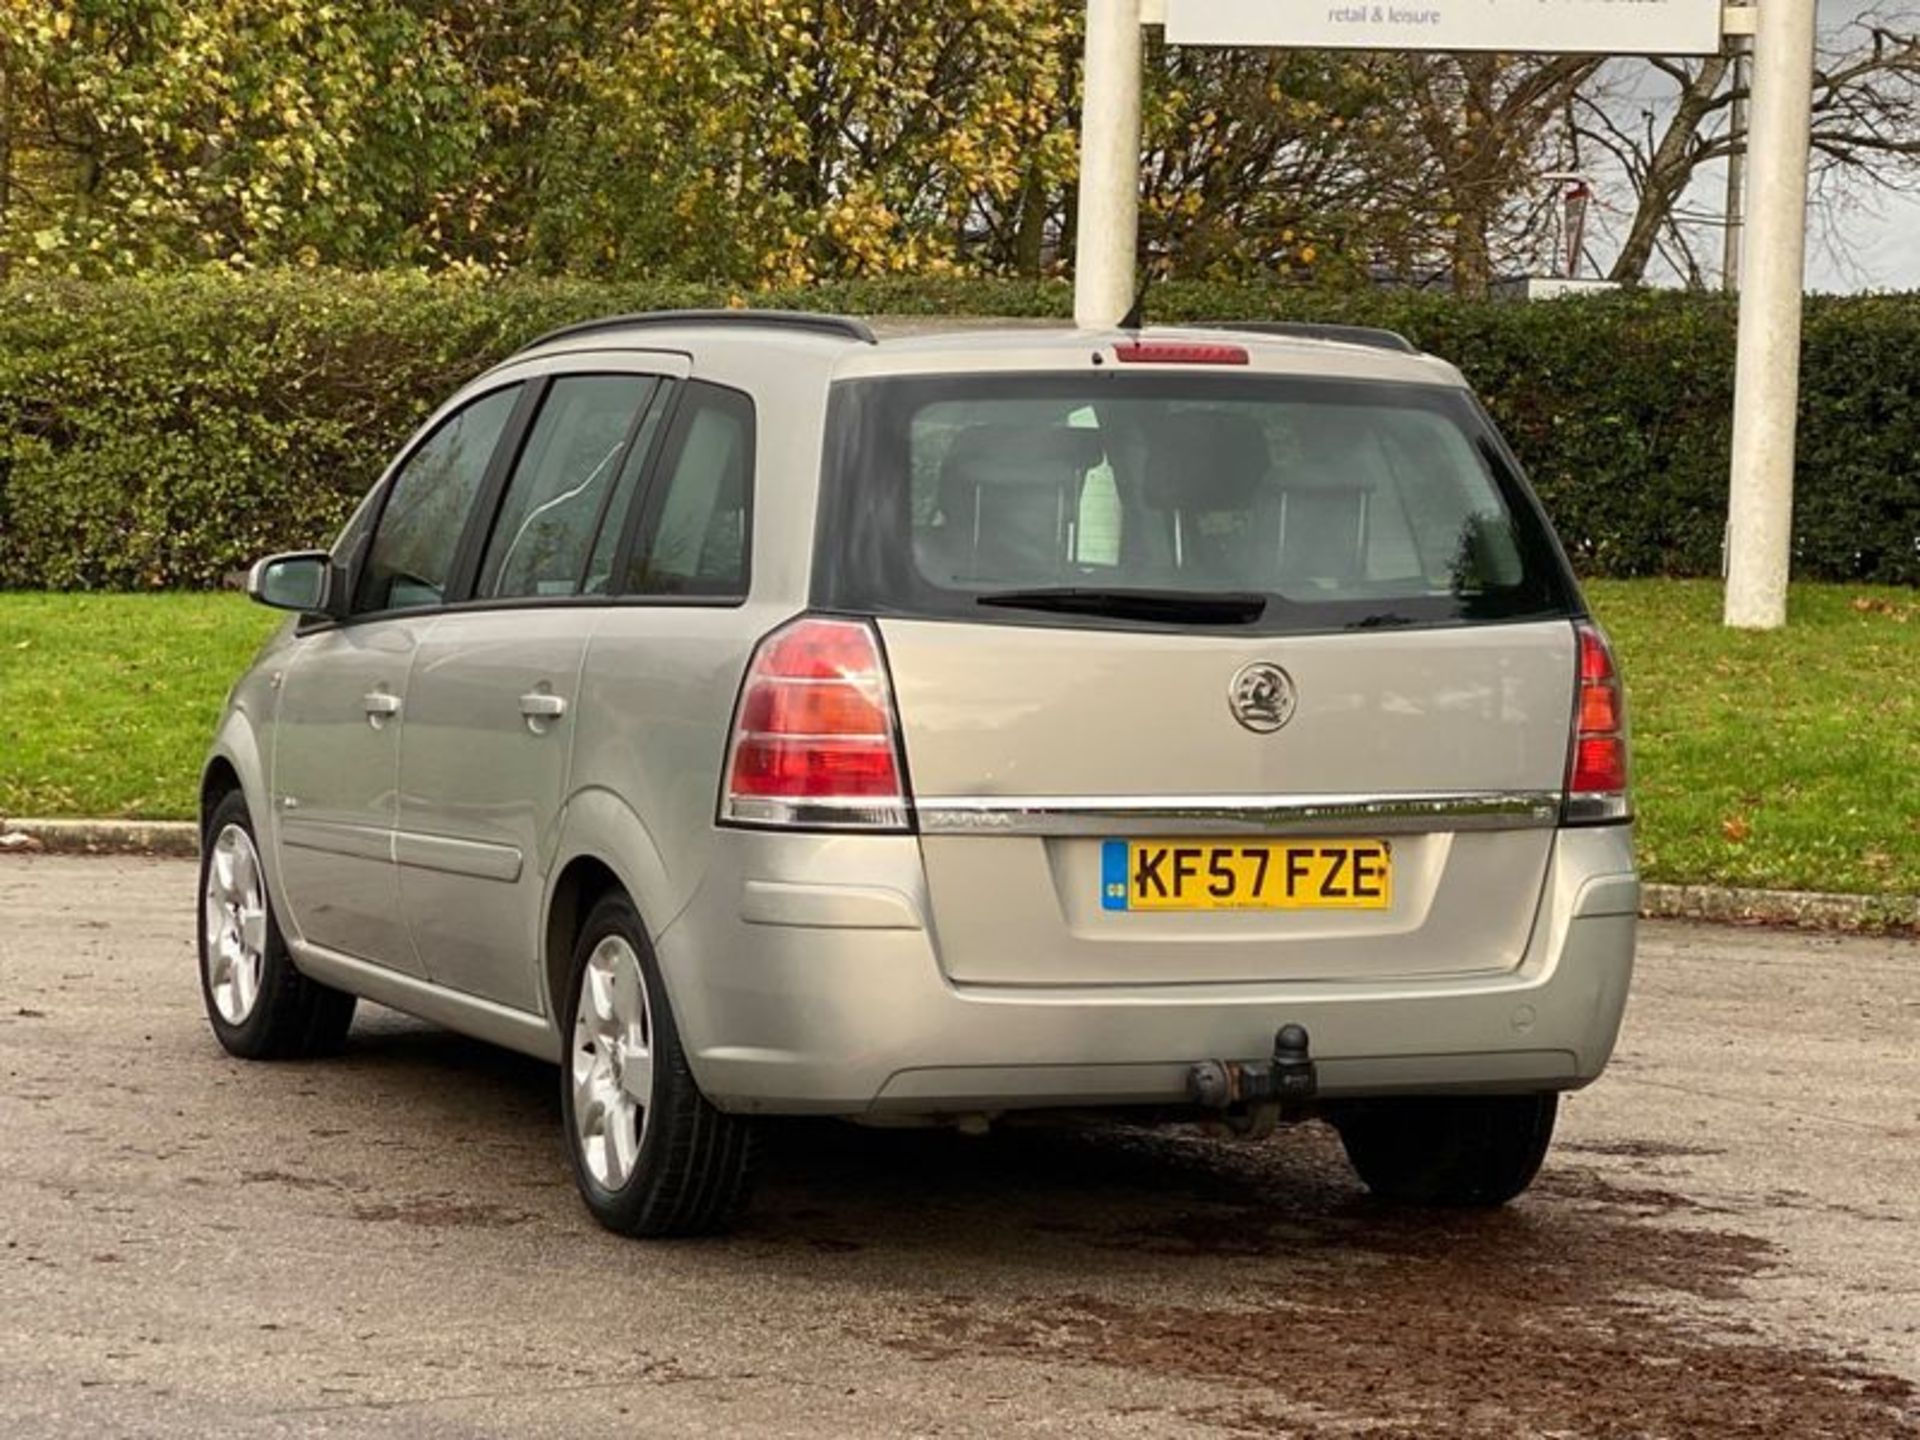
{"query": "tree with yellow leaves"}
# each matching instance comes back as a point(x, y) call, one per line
point(144, 133)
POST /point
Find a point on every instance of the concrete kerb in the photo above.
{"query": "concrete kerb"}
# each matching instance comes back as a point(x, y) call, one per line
point(1866, 914)
point(172, 838)
point(1801, 909)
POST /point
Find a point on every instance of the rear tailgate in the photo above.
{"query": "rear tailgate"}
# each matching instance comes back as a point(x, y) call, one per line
point(1031, 748)
point(1072, 572)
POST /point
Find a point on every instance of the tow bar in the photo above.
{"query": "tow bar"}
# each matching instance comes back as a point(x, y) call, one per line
point(1288, 1078)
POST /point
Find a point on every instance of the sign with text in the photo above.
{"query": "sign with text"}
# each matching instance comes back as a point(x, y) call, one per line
point(1600, 27)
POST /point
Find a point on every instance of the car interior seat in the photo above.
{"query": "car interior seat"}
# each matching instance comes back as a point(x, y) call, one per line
point(1006, 505)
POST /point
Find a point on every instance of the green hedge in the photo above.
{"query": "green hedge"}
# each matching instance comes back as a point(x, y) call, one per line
point(162, 433)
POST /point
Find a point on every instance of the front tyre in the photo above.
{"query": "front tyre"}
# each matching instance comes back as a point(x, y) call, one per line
point(260, 1006)
point(651, 1156)
point(1461, 1151)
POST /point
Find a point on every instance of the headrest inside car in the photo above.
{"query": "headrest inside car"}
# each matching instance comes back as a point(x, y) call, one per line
point(1207, 460)
point(1015, 457)
point(1336, 456)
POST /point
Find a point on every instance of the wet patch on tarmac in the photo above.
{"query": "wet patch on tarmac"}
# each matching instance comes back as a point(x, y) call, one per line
point(1638, 1149)
point(1594, 1307)
point(437, 1212)
point(1605, 1303)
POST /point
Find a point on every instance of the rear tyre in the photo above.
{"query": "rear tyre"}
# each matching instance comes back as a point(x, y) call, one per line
point(1464, 1151)
point(651, 1156)
point(260, 1006)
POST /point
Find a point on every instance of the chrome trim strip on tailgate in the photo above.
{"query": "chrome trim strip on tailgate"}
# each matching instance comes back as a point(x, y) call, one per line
point(1237, 814)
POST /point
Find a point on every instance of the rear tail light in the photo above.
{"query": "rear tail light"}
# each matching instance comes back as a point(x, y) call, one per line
point(1597, 764)
point(814, 742)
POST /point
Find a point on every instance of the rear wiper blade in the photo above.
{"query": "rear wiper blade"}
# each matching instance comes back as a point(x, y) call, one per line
point(1379, 622)
point(1175, 607)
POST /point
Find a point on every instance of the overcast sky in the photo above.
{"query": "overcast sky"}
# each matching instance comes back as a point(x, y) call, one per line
point(1883, 252)
point(1869, 242)
point(1881, 231)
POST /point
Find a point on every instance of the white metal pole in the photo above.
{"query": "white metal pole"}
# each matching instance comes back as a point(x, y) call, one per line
point(1736, 167)
point(1766, 386)
point(1107, 237)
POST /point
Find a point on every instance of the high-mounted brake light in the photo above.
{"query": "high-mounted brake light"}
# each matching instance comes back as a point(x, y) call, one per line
point(1597, 762)
point(1178, 352)
point(813, 742)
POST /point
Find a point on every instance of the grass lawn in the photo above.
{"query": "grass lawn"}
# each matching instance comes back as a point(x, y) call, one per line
point(107, 701)
point(1787, 761)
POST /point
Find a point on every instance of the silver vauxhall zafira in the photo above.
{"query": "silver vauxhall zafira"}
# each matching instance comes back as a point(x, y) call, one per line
point(760, 718)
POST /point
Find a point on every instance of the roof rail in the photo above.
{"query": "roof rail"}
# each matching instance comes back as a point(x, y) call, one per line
point(840, 325)
point(1369, 335)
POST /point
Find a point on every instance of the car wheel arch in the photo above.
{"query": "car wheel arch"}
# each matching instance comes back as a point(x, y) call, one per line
point(235, 762)
point(604, 846)
point(576, 890)
point(219, 779)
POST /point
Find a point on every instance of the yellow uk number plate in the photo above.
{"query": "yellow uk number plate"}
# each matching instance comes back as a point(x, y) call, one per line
point(1246, 875)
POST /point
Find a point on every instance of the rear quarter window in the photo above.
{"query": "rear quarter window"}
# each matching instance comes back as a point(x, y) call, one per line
point(694, 534)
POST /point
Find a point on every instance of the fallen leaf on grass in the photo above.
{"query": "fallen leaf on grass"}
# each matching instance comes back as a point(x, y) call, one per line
point(1875, 605)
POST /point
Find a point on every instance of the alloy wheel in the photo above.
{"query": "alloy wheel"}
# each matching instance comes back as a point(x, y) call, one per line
point(612, 1062)
point(236, 925)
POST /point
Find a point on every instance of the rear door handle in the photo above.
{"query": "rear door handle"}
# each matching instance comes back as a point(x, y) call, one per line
point(381, 707)
point(542, 708)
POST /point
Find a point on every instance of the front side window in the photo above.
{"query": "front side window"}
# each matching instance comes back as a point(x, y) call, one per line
point(693, 539)
point(411, 560)
point(562, 485)
point(351, 543)
point(1275, 503)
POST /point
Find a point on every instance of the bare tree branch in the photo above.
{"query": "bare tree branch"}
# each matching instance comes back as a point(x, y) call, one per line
point(1865, 131)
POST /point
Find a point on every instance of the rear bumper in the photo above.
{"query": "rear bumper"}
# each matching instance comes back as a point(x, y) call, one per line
point(799, 991)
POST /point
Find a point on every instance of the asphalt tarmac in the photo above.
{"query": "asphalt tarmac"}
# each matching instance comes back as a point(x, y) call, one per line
point(1725, 1241)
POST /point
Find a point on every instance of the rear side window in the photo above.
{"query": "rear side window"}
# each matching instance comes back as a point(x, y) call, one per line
point(1316, 504)
point(417, 541)
point(606, 548)
point(562, 485)
point(694, 533)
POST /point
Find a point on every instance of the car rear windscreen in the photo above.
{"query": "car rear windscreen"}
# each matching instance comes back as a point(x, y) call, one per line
point(1276, 504)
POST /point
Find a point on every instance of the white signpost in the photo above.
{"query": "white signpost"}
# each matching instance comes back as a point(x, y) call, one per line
point(1767, 377)
point(1602, 27)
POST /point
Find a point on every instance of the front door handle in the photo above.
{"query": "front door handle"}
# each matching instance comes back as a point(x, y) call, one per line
point(381, 707)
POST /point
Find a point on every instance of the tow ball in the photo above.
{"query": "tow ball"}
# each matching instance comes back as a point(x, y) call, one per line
point(1289, 1078)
